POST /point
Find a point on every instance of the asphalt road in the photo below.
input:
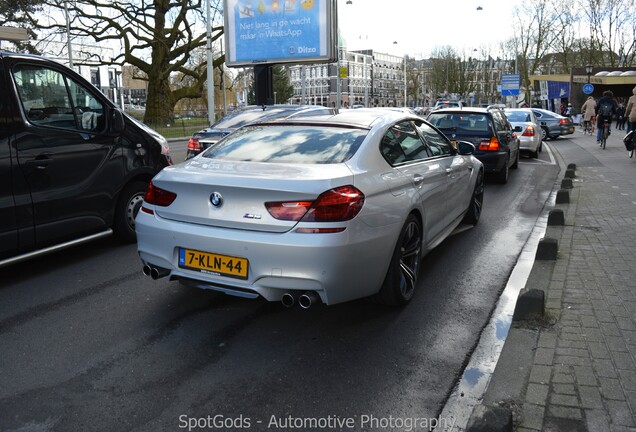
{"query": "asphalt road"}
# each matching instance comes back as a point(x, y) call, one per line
point(87, 343)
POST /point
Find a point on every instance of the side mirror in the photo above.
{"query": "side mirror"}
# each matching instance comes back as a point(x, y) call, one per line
point(117, 123)
point(464, 148)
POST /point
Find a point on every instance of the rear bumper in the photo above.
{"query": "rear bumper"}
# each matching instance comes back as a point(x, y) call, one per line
point(338, 267)
point(493, 161)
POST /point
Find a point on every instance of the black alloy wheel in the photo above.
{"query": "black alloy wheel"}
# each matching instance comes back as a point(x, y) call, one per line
point(476, 202)
point(401, 278)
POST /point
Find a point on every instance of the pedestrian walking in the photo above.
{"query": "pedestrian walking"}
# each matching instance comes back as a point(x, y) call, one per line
point(620, 117)
point(630, 112)
point(588, 109)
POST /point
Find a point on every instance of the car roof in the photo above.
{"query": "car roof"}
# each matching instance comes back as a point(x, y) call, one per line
point(361, 117)
point(461, 110)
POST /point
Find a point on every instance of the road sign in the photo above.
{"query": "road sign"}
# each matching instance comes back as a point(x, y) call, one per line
point(510, 85)
point(588, 88)
point(13, 33)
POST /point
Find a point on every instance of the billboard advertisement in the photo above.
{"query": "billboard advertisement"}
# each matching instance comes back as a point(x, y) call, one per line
point(279, 31)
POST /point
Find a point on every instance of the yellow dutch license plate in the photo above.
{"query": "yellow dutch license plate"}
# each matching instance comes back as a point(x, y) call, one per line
point(212, 263)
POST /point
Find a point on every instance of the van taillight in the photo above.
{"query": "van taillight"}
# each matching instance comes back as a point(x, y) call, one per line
point(335, 205)
point(193, 144)
point(492, 145)
point(159, 197)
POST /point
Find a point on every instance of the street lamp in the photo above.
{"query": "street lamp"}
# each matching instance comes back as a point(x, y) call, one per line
point(588, 71)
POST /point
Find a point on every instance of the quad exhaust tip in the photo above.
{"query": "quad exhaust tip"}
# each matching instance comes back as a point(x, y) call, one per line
point(289, 299)
point(307, 299)
point(155, 272)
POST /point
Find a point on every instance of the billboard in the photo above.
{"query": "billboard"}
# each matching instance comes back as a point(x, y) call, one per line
point(261, 32)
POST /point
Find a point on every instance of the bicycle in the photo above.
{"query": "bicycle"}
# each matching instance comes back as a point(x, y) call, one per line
point(587, 127)
point(605, 134)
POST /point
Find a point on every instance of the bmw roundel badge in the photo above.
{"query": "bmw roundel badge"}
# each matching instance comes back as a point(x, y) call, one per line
point(216, 199)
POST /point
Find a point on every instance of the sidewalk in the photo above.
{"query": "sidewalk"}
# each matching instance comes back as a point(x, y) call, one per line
point(575, 369)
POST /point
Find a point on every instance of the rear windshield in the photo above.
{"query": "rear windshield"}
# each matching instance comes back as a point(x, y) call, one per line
point(461, 123)
point(518, 116)
point(236, 120)
point(289, 144)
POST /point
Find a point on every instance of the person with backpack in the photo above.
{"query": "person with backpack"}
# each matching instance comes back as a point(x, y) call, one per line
point(630, 112)
point(605, 109)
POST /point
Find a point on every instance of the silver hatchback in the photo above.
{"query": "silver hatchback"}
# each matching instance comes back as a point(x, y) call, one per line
point(319, 209)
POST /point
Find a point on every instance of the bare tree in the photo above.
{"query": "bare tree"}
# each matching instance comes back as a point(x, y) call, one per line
point(21, 13)
point(538, 27)
point(612, 29)
point(156, 36)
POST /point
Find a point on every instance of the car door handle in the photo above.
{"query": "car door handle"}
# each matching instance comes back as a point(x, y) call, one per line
point(449, 171)
point(41, 161)
point(418, 179)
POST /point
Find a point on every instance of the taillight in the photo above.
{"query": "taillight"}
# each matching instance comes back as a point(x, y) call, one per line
point(159, 197)
point(194, 145)
point(563, 121)
point(492, 145)
point(528, 132)
point(335, 205)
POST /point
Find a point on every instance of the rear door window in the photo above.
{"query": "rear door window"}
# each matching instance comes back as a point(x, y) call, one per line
point(402, 143)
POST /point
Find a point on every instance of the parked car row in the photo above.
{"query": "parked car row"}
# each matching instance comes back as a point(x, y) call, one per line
point(297, 204)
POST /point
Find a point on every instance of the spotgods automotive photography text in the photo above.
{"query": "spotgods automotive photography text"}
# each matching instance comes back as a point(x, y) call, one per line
point(366, 422)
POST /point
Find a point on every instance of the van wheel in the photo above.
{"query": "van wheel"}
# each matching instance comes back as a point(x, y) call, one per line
point(401, 277)
point(127, 208)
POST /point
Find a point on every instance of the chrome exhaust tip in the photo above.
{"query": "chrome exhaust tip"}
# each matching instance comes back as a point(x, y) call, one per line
point(147, 270)
point(288, 299)
point(158, 272)
point(307, 299)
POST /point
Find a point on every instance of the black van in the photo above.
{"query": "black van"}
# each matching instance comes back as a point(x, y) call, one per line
point(73, 167)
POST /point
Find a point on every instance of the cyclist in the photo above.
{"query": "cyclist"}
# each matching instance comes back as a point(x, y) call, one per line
point(587, 110)
point(605, 109)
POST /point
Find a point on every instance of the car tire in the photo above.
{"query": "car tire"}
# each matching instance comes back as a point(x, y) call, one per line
point(502, 176)
point(534, 154)
point(128, 206)
point(401, 277)
point(540, 147)
point(476, 202)
point(516, 164)
point(544, 134)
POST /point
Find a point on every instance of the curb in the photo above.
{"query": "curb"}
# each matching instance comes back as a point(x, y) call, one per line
point(511, 376)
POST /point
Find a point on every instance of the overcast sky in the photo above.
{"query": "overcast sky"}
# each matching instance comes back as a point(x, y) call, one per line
point(420, 26)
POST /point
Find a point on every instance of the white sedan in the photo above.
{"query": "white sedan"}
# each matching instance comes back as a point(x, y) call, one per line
point(527, 128)
point(319, 209)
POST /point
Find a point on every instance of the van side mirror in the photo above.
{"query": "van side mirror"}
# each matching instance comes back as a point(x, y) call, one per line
point(117, 123)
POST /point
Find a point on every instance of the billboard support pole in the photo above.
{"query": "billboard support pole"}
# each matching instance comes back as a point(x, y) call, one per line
point(264, 85)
